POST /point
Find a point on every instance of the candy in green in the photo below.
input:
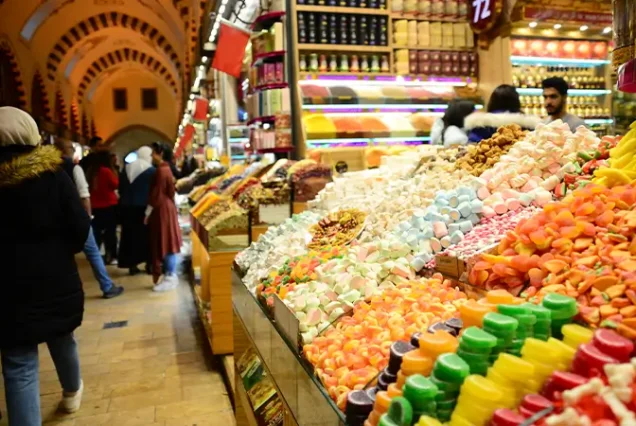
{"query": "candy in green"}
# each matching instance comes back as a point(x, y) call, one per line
point(501, 324)
point(513, 310)
point(400, 413)
point(451, 367)
point(559, 303)
point(476, 338)
point(419, 391)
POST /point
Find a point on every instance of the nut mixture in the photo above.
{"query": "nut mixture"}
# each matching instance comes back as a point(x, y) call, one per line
point(337, 229)
point(486, 153)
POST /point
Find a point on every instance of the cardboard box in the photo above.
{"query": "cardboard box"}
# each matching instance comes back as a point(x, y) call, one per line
point(455, 268)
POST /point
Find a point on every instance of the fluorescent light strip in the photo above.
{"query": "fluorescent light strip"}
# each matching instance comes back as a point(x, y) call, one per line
point(537, 60)
point(371, 140)
point(571, 92)
point(599, 121)
point(241, 140)
point(384, 107)
point(382, 83)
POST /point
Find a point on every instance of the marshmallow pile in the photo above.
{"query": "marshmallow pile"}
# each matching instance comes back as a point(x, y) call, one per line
point(444, 223)
point(363, 271)
point(533, 167)
point(275, 246)
point(488, 232)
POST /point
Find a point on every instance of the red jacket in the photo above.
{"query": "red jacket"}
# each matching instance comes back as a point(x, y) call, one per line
point(103, 189)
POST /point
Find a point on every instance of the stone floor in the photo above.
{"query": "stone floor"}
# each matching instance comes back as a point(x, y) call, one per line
point(156, 370)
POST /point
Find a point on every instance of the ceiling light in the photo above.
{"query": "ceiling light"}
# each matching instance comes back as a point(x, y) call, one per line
point(191, 97)
point(557, 26)
point(532, 24)
point(204, 59)
point(607, 30)
point(583, 28)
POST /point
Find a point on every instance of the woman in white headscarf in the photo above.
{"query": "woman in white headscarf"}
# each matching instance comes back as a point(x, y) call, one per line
point(134, 187)
point(43, 225)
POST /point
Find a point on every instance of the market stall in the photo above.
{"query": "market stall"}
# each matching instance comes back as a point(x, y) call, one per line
point(346, 310)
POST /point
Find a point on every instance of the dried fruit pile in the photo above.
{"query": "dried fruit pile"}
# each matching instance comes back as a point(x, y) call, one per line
point(337, 229)
point(583, 246)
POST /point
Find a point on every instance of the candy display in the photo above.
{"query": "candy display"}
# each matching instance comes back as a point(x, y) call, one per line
point(544, 234)
point(352, 352)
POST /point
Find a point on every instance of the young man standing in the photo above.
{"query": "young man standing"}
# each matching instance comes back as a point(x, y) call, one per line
point(555, 99)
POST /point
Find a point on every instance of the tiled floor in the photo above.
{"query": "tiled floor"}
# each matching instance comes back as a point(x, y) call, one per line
point(154, 371)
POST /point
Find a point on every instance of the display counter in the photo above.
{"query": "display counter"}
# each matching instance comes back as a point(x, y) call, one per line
point(305, 399)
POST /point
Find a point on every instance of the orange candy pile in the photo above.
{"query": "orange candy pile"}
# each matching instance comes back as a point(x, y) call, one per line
point(583, 246)
point(352, 353)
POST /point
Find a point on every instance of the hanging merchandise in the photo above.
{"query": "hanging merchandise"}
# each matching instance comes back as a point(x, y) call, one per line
point(230, 48)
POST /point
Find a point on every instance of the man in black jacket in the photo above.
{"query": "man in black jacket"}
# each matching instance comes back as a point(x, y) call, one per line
point(42, 225)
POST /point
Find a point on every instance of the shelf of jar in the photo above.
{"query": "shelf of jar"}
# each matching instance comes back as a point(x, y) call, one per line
point(353, 49)
point(338, 9)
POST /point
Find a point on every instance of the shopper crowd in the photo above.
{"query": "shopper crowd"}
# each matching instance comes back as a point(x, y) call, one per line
point(461, 124)
point(49, 203)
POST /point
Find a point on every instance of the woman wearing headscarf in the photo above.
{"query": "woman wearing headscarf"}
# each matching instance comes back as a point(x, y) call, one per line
point(42, 227)
point(163, 222)
point(134, 187)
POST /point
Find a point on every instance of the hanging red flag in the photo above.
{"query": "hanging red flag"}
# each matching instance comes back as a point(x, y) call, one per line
point(200, 109)
point(185, 140)
point(230, 48)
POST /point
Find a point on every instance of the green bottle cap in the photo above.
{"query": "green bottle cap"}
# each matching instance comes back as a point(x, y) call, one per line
point(559, 302)
point(538, 311)
point(419, 391)
point(513, 310)
point(451, 367)
point(501, 323)
point(400, 413)
point(475, 337)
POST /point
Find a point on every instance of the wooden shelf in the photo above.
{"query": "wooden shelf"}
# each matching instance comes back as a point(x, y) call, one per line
point(443, 48)
point(362, 75)
point(336, 9)
point(353, 49)
point(262, 57)
point(416, 16)
point(267, 18)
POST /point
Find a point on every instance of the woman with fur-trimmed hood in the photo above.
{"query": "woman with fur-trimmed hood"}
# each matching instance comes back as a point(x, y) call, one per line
point(504, 108)
point(42, 226)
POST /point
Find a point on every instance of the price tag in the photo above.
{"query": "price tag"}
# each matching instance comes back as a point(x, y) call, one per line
point(484, 14)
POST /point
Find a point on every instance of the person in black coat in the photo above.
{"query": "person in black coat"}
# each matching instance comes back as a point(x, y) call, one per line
point(42, 226)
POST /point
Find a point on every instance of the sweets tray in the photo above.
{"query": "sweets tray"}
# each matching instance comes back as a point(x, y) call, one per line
point(293, 376)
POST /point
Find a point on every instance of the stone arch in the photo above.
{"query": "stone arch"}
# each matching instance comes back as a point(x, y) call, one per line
point(61, 117)
point(75, 123)
point(40, 107)
point(132, 137)
point(12, 91)
point(106, 20)
point(120, 56)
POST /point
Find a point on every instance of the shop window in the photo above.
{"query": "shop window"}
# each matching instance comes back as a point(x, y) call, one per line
point(120, 100)
point(149, 99)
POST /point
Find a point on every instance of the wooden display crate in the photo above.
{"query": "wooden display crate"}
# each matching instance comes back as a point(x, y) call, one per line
point(455, 268)
point(215, 295)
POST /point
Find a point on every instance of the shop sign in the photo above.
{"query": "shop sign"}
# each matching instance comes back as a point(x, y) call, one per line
point(567, 15)
point(484, 14)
